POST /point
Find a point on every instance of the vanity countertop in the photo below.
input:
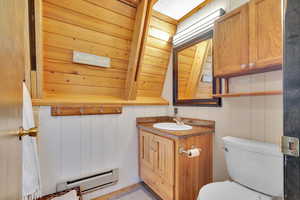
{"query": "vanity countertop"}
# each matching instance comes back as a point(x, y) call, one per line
point(199, 126)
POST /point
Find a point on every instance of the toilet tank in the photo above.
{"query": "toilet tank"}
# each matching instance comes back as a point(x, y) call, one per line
point(256, 165)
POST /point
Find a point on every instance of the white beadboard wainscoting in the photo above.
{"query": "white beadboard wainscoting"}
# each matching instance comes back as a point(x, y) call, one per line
point(80, 145)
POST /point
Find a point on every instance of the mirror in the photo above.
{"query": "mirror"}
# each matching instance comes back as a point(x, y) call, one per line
point(194, 83)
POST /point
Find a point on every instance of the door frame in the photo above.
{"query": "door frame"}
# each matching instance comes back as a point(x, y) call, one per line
point(291, 96)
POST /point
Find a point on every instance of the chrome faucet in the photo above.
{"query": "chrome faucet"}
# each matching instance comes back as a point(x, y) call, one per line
point(178, 121)
point(176, 118)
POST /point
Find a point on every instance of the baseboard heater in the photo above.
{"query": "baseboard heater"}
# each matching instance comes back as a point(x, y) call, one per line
point(93, 182)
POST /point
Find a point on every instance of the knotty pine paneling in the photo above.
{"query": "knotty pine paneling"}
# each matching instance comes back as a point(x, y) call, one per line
point(102, 28)
point(155, 61)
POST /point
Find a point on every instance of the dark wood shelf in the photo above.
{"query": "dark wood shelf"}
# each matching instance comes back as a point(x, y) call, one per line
point(265, 93)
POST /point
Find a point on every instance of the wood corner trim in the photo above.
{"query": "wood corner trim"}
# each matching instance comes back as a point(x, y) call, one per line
point(136, 48)
point(164, 17)
point(196, 9)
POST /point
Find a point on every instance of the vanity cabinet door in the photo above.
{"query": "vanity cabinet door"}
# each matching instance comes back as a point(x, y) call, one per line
point(157, 164)
point(164, 167)
point(231, 42)
point(265, 33)
point(146, 150)
point(164, 159)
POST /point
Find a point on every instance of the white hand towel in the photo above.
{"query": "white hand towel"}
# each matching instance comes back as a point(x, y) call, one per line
point(31, 169)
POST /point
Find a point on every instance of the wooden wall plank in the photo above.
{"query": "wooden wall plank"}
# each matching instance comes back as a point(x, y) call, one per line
point(116, 6)
point(157, 43)
point(60, 41)
point(70, 68)
point(150, 60)
point(163, 25)
point(148, 93)
point(84, 80)
point(84, 21)
point(68, 30)
point(156, 52)
point(97, 12)
point(133, 3)
point(150, 69)
point(152, 78)
point(54, 88)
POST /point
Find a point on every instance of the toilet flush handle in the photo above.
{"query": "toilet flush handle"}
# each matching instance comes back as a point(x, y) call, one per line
point(225, 149)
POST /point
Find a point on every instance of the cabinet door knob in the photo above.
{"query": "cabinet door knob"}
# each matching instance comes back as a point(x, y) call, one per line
point(244, 66)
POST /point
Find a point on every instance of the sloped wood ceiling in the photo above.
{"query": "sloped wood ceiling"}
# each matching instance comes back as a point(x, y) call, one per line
point(103, 28)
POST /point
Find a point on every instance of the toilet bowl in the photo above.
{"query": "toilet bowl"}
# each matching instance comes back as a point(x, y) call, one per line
point(229, 191)
point(256, 169)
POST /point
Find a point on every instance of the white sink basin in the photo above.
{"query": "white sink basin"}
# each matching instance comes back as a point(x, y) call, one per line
point(172, 126)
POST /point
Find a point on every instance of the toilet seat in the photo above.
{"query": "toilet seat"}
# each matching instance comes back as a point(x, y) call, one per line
point(229, 191)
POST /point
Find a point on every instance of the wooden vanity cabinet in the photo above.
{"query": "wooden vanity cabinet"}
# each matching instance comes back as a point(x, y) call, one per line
point(249, 39)
point(157, 164)
point(171, 175)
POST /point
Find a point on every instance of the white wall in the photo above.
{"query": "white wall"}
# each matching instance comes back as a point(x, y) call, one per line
point(79, 145)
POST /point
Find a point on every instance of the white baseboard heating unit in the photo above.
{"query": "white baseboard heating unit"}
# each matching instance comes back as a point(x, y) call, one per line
point(93, 182)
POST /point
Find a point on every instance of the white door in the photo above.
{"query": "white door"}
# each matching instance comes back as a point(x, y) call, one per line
point(12, 13)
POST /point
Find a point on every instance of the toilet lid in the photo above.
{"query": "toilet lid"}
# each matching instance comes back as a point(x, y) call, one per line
point(229, 191)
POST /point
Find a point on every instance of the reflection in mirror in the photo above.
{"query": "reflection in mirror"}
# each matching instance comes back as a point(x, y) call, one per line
point(194, 84)
point(195, 78)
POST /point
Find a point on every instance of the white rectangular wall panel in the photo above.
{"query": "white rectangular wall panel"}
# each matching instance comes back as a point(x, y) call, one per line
point(90, 59)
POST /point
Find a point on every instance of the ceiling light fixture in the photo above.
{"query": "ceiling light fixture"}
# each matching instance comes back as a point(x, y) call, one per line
point(199, 27)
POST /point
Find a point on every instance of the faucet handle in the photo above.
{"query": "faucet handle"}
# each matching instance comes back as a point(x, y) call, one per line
point(178, 121)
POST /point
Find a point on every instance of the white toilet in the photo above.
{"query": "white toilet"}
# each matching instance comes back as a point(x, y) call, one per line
point(256, 170)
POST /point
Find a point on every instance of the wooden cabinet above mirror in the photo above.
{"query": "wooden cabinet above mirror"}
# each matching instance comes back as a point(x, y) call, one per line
point(249, 39)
